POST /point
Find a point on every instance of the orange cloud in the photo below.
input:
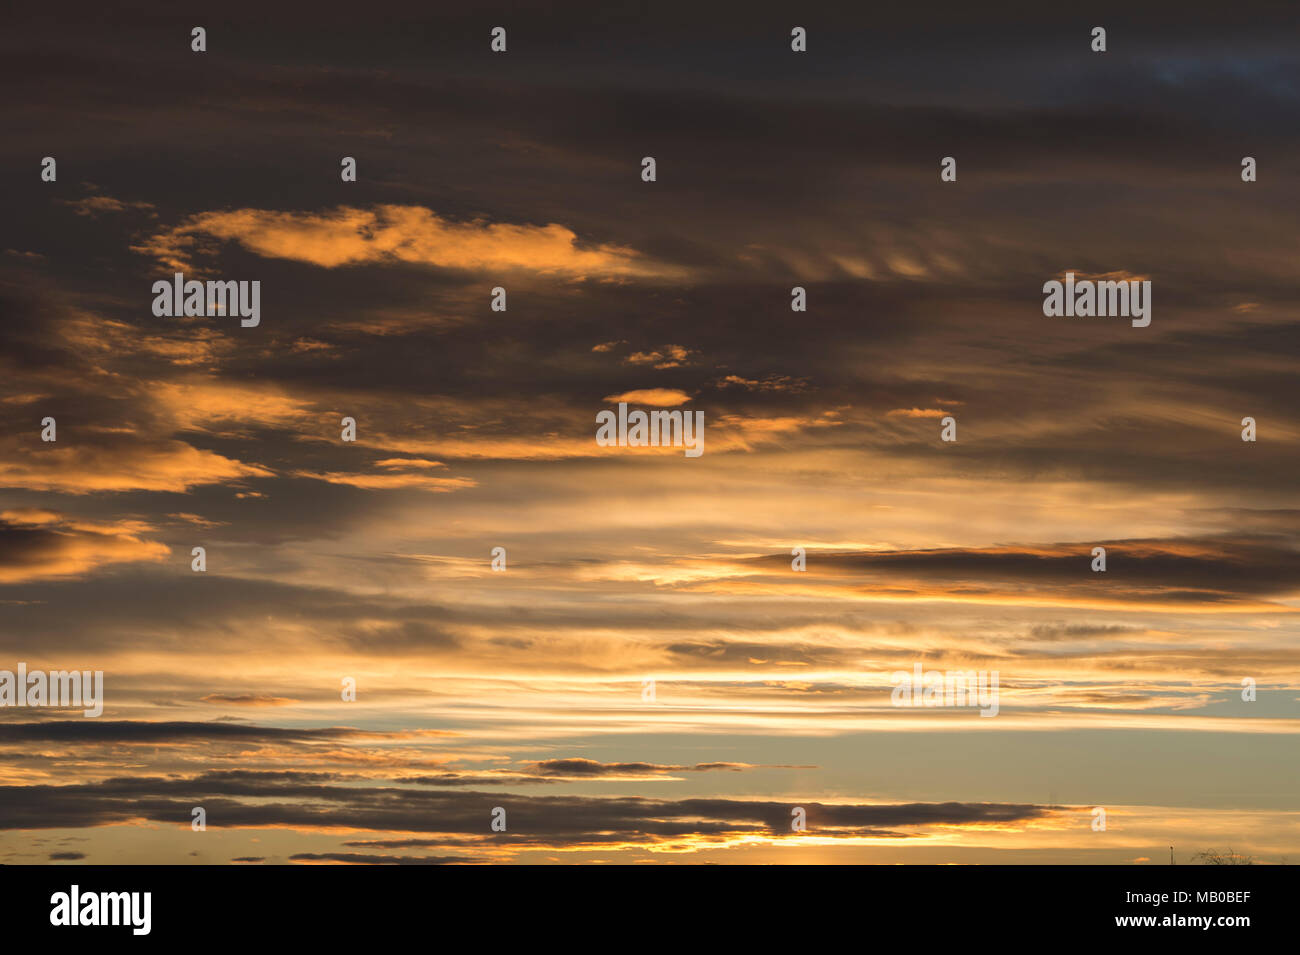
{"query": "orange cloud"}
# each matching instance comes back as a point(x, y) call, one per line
point(388, 482)
point(391, 233)
point(162, 466)
point(659, 397)
point(770, 383)
point(670, 356)
point(409, 463)
point(42, 544)
point(247, 699)
point(917, 412)
point(94, 205)
point(193, 404)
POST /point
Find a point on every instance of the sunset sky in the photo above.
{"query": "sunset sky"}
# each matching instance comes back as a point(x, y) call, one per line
point(475, 429)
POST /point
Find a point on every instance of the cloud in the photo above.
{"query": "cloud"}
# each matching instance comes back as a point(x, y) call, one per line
point(670, 356)
point(917, 412)
point(359, 858)
point(389, 234)
point(579, 767)
point(1177, 572)
point(408, 463)
point(195, 519)
point(389, 482)
point(38, 543)
point(247, 699)
point(332, 559)
point(770, 383)
point(129, 464)
point(244, 799)
point(196, 403)
point(129, 731)
point(658, 397)
point(96, 205)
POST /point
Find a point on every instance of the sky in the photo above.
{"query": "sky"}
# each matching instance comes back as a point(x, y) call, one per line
point(651, 677)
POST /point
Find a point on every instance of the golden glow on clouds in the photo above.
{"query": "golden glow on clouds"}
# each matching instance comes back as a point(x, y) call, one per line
point(659, 397)
point(66, 547)
point(409, 234)
point(371, 560)
point(149, 466)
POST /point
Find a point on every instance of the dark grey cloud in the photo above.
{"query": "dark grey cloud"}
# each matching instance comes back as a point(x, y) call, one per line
point(245, 799)
point(130, 731)
point(1193, 570)
point(360, 858)
point(579, 767)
